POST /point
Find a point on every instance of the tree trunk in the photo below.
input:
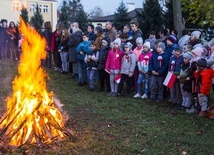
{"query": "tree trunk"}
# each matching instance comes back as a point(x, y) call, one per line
point(177, 17)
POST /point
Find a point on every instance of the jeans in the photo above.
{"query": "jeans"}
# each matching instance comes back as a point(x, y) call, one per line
point(143, 79)
point(82, 71)
point(91, 74)
point(156, 86)
point(64, 59)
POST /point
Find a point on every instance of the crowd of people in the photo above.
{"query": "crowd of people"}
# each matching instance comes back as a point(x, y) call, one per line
point(115, 58)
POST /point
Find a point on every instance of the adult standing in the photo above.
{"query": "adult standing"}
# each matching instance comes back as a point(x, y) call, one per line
point(55, 40)
point(12, 31)
point(4, 40)
point(110, 32)
point(91, 34)
point(75, 39)
point(99, 36)
point(48, 34)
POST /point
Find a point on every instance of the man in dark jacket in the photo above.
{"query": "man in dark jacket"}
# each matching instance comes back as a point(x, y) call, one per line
point(136, 33)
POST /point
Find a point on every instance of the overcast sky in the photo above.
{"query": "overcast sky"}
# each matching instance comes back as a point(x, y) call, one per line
point(108, 6)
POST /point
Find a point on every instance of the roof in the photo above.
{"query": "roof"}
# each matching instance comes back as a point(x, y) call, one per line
point(132, 14)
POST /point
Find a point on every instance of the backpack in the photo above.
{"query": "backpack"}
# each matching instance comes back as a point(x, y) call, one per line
point(210, 112)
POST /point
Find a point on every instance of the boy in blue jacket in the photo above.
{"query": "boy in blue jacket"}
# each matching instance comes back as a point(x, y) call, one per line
point(158, 68)
point(82, 49)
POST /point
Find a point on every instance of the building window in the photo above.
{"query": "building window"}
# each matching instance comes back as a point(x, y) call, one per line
point(45, 8)
point(16, 6)
point(32, 7)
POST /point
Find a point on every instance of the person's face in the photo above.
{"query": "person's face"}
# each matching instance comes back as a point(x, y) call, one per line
point(168, 42)
point(104, 43)
point(4, 24)
point(116, 46)
point(177, 53)
point(125, 29)
point(12, 24)
point(92, 47)
point(145, 48)
point(89, 29)
point(158, 49)
point(185, 49)
point(108, 26)
point(152, 36)
point(85, 38)
point(186, 60)
point(192, 37)
point(126, 49)
point(133, 27)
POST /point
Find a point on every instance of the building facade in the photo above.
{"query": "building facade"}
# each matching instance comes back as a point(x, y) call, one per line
point(11, 9)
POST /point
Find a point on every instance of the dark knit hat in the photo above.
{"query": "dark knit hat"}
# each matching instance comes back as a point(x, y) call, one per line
point(202, 62)
point(99, 29)
point(171, 38)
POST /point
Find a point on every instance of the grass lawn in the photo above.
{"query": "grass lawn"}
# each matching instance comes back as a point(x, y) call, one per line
point(112, 125)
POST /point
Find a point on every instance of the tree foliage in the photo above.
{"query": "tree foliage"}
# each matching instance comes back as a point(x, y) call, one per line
point(199, 12)
point(96, 12)
point(63, 16)
point(121, 16)
point(82, 18)
point(24, 14)
point(37, 19)
point(151, 18)
point(168, 16)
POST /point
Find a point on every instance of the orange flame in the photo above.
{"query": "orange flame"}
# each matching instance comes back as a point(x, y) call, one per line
point(31, 115)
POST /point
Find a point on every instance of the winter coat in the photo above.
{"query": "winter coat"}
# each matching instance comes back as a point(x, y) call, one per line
point(114, 59)
point(184, 40)
point(103, 56)
point(203, 82)
point(175, 64)
point(128, 63)
point(159, 63)
point(75, 39)
point(85, 48)
point(143, 61)
point(91, 36)
point(48, 36)
point(184, 72)
point(55, 40)
point(169, 49)
point(136, 35)
point(137, 51)
point(64, 45)
point(92, 64)
point(13, 36)
point(111, 34)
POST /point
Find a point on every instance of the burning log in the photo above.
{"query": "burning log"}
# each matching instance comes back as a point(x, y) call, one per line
point(31, 115)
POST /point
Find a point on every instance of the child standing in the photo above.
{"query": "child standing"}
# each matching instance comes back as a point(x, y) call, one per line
point(82, 49)
point(158, 67)
point(184, 83)
point(143, 67)
point(127, 69)
point(103, 75)
point(113, 65)
point(203, 84)
point(174, 67)
point(91, 60)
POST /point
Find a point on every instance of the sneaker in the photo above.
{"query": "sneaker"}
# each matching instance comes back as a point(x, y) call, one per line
point(137, 95)
point(110, 94)
point(203, 113)
point(144, 96)
point(191, 110)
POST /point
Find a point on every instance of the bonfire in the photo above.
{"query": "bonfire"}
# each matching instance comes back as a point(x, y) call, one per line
point(31, 115)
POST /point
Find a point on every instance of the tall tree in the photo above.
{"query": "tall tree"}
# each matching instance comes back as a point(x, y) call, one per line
point(168, 16)
point(82, 19)
point(96, 12)
point(121, 16)
point(73, 7)
point(24, 14)
point(151, 18)
point(63, 16)
point(37, 19)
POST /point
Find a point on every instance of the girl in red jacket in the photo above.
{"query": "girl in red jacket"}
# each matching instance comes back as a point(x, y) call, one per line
point(203, 84)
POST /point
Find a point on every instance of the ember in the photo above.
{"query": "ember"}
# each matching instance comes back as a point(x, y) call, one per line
point(31, 115)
